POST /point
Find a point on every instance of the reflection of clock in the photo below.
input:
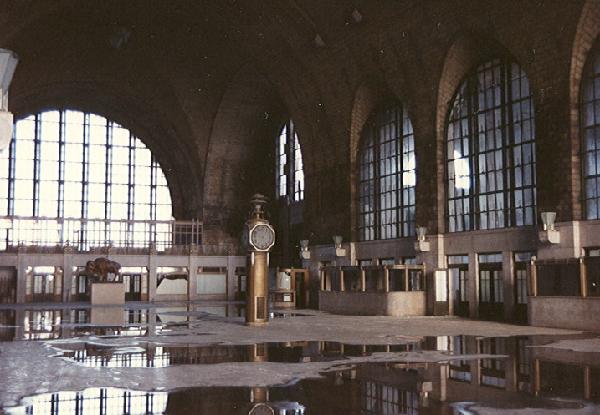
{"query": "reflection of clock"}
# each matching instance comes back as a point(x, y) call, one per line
point(262, 237)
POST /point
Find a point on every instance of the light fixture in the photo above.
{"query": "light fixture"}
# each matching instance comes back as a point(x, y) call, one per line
point(422, 244)
point(337, 241)
point(8, 64)
point(549, 234)
point(304, 251)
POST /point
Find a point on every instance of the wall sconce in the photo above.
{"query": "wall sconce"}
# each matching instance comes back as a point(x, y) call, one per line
point(422, 244)
point(8, 64)
point(549, 234)
point(304, 251)
point(337, 241)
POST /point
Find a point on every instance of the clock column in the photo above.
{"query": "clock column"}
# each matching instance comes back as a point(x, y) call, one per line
point(261, 238)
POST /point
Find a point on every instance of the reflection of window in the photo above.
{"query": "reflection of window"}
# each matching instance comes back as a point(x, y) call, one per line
point(590, 119)
point(78, 165)
point(387, 176)
point(290, 169)
point(493, 371)
point(491, 150)
point(379, 398)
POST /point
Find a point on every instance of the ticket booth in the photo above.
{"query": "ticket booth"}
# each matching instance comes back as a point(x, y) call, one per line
point(291, 288)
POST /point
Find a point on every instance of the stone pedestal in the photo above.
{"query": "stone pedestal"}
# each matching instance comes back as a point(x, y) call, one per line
point(107, 316)
point(107, 293)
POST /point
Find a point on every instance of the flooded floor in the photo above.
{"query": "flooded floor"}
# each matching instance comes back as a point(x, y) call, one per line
point(201, 359)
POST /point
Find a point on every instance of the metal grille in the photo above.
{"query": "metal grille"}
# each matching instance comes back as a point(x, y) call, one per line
point(261, 309)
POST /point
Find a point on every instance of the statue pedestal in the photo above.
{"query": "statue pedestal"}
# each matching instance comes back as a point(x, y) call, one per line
point(107, 293)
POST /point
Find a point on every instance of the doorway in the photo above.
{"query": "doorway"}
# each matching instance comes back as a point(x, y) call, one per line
point(491, 287)
point(458, 266)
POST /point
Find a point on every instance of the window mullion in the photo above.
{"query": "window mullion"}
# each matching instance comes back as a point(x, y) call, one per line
point(11, 175)
point(61, 164)
point(376, 182)
point(36, 167)
point(85, 176)
point(399, 140)
point(509, 145)
point(473, 112)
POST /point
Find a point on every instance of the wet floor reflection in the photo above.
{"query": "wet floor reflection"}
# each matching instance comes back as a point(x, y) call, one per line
point(390, 388)
point(64, 323)
point(153, 355)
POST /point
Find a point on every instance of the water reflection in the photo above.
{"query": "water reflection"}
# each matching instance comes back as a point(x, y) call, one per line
point(153, 355)
point(95, 401)
point(369, 388)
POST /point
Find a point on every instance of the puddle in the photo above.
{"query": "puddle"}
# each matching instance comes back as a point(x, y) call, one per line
point(359, 389)
point(156, 355)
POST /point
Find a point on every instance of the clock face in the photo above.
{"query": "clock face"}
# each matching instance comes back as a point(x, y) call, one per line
point(262, 237)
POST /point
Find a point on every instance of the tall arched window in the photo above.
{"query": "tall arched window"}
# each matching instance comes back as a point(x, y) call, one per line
point(71, 164)
point(289, 170)
point(387, 176)
point(491, 150)
point(590, 109)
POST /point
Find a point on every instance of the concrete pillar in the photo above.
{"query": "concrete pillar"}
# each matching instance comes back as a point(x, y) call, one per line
point(363, 280)
point(231, 279)
point(472, 346)
point(582, 278)
point(341, 274)
point(193, 264)
point(19, 323)
point(508, 275)
point(68, 274)
point(511, 365)
point(587, 383)
point(386, 280)
point(21, 275)
point(473, 288)
point(152, 280)
point(451, 293)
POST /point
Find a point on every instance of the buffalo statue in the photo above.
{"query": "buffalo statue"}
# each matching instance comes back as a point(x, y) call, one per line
point(102, 267)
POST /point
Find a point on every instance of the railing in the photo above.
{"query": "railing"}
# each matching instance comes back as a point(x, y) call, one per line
point(373, 278)
point(96, 234)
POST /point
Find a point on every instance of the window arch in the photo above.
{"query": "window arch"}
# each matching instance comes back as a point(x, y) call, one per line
point(590, 119)
point(387, 175)
point(72, 164)
point(289, 178)
point(491, 150)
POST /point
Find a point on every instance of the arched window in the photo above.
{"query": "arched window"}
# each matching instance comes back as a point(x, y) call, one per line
point(71, 164)
point(289, 170)
point(491, 150)
point(387, 176)
point(590, 109)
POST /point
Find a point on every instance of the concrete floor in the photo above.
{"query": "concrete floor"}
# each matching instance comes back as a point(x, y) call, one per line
point(30, 367)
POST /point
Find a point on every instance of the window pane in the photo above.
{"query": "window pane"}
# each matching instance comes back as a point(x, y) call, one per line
point(483, 161)
point(591, 133)
point(50, 148)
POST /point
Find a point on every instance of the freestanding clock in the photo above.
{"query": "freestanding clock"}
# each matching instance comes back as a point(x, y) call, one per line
point(261, 238)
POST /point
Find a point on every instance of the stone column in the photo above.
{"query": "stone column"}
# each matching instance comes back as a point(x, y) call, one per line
point(508, 276)
point(68, 274)
point(152, 275)
point(193, 265)
point(231, 278)
point(473, 288)
point(21, 274)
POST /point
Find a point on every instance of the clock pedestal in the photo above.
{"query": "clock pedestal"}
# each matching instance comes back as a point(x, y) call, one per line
point(257, 289)
point(261, 237)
